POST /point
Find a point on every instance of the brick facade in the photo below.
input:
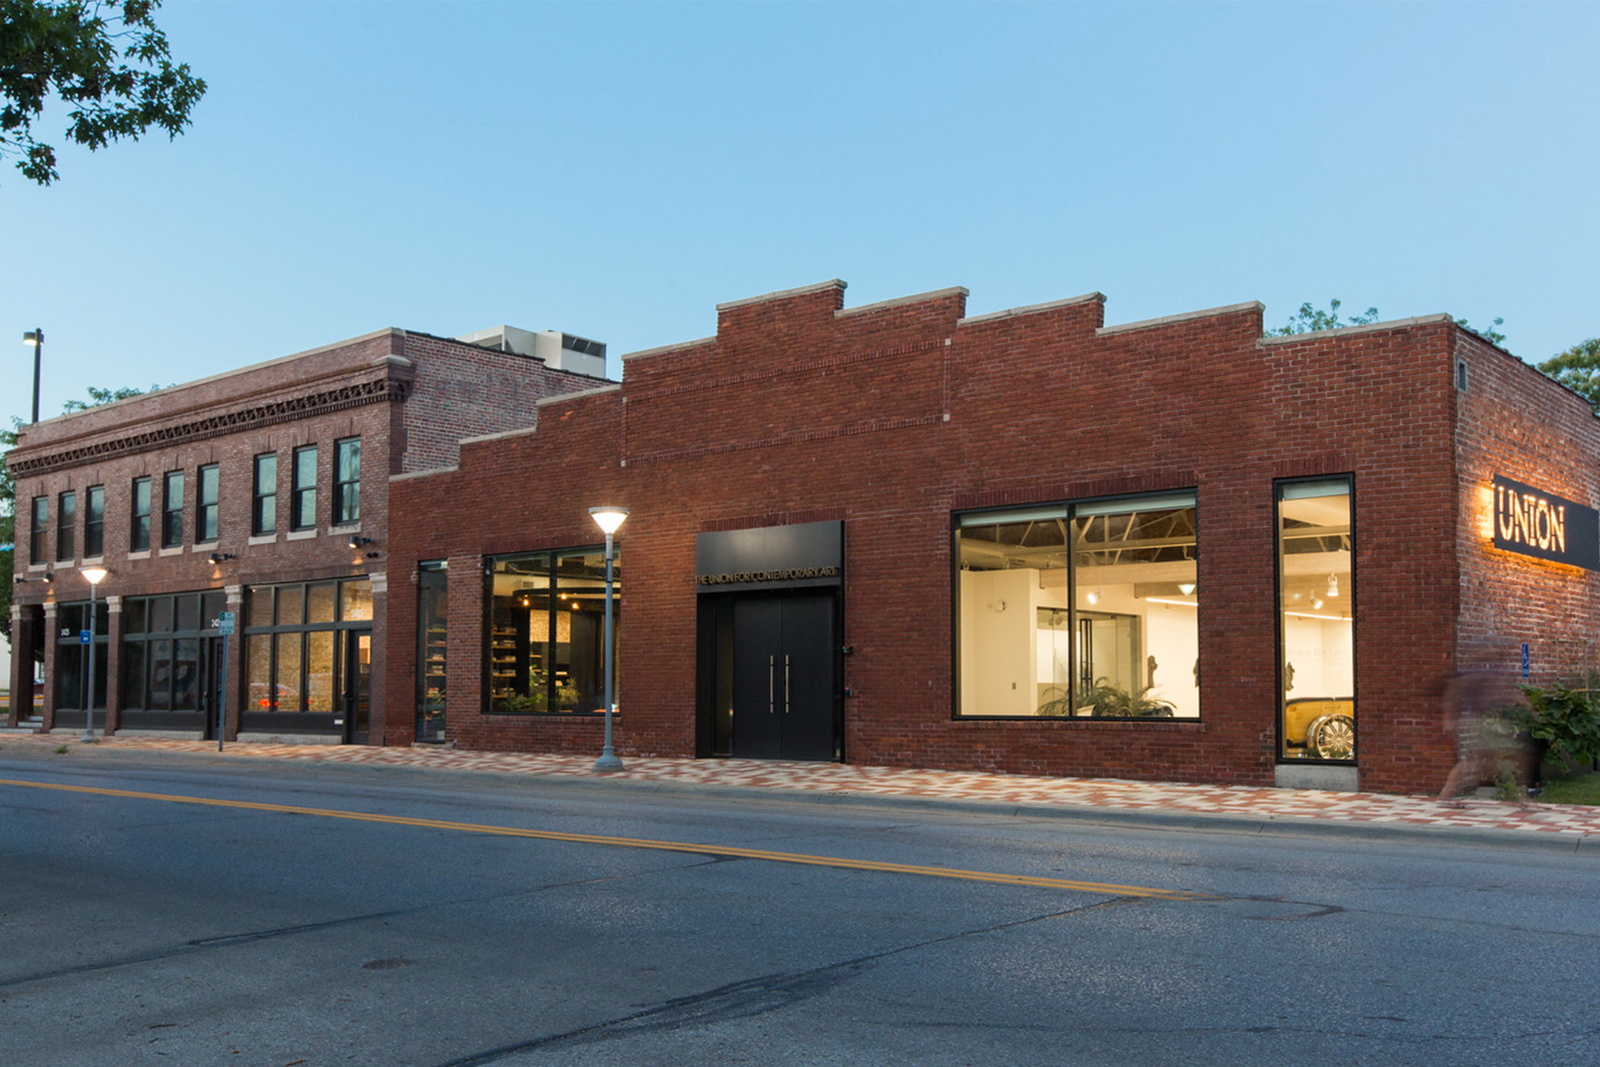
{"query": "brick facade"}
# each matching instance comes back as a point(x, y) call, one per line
point(407, 397)
point(893, 417)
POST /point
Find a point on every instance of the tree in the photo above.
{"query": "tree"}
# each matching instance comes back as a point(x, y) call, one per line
point(1309, 319)
point(8, 493)
point(1578, 368)
point(107, 61)
point(1492, 334)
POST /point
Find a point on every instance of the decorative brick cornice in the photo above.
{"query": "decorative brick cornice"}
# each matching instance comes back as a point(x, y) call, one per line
point(360, 394)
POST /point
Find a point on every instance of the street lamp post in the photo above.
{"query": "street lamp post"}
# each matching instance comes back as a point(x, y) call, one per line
point(95, 575)
point(609, 518)
point(36, 339)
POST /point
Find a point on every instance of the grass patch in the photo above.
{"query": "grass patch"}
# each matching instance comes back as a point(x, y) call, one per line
point(1571, 789)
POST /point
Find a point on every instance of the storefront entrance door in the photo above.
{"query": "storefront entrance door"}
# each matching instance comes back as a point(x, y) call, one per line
point(357, 678)
point(783, 677)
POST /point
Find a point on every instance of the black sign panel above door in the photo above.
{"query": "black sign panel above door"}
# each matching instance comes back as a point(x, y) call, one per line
point(770, 557)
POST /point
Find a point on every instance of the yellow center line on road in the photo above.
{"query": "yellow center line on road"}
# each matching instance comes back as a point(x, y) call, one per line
point(642, 842)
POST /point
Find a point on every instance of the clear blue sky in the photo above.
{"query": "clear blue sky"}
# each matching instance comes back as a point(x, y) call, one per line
point(617, 170)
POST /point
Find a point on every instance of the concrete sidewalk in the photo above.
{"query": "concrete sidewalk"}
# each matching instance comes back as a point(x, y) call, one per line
point(1106, 796)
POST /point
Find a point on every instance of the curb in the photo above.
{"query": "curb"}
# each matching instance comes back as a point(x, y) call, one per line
point(1564, 841)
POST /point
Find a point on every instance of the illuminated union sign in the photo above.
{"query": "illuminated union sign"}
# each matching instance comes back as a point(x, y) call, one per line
point(1532, 522)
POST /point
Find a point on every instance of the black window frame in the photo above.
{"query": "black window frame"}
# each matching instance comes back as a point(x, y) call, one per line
point(207, 504)
point(517, 663)
point(1070, 511)
point(94, 522)
point(303, 497)
point(252, 715)
point(172, 511)
point(1306, 758)
point(346, 489)
point(139, 515)
point(66, 526)
point(264, 496)
point(39, 531)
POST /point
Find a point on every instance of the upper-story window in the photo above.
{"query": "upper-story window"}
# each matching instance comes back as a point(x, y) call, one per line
point(205, 505)
point(264, 506)
point(39, 541)
point(94, 521)
point(139, 528)
point(347, 481)
point(303, 515)
point(66, 525)
point(172, 511)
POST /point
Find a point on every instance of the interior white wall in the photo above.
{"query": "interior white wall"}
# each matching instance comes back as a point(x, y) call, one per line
point(1320, 651)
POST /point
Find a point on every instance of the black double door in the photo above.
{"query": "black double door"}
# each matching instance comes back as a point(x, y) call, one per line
point(784, 677)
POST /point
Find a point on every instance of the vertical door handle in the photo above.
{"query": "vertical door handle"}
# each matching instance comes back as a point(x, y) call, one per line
point(772, 692)
point(786, 685)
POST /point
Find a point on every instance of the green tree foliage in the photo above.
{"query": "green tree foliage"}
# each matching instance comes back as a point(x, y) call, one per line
point(108, 62)
point(1310, 319)
point(8, 492)
point(1578, 368)
point(1492, 334)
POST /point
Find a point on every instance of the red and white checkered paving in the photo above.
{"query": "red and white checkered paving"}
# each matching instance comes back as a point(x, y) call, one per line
point(849, 780)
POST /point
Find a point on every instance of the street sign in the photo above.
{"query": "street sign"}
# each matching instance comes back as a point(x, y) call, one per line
point(85, 637)
point(225, 623)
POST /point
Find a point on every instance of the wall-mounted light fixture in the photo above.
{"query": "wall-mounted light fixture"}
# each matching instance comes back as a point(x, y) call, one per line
point(220, 557)
point(47, 578)
point(357, 541)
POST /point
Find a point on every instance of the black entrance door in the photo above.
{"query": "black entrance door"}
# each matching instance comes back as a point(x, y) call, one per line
point(357, 684)
point(783, 677)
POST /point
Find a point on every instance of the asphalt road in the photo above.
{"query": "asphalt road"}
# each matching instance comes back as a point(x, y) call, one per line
point(138, 930)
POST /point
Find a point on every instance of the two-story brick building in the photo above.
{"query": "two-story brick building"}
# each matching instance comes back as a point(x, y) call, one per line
point(1023, 541)
point(262, 493)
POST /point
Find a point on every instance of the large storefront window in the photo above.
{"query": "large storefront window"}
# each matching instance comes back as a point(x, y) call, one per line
point(433, 619)
point(546, 613)
point(169, 654)
point(1317, 626)
point(1085, 610)
point(299, 656)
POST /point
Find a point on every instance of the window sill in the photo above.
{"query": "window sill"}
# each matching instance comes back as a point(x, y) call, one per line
point(204, 546)
point(143, 553)
point(93, 561)
point(300, 535)
point(263, 539)
point(344, 528)
point(171, 551)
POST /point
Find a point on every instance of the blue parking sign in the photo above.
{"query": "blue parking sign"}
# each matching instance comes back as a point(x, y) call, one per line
point(85, 637)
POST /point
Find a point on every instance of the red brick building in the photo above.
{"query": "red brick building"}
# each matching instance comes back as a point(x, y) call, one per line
point(1023, 541)
point(263, 493)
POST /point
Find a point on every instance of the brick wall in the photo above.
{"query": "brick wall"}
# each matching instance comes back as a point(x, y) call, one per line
point(890, 417)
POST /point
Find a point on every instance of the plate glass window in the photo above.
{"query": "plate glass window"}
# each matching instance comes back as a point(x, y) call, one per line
point(1316, 597)
point(94, 522)
point(139, 513)
point(206, 507)
point(172, 511)
point(264, 505)
point(546, 630)
point(347, 481)
point(433, 632)
point(1087, 610)
point(304, 505)
point(66, 525)
point(39, 532)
